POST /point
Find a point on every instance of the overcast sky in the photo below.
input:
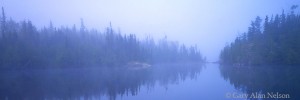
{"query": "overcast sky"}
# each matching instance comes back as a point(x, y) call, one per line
point(210, 24)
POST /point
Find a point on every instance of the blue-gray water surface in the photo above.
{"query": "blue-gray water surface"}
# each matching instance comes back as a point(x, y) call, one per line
point(188, 81)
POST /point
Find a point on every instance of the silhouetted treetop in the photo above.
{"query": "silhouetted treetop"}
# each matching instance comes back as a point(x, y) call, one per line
point(24, 46)
point(277, 43)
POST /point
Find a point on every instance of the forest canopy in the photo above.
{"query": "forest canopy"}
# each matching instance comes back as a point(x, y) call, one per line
point(24, 46)
point(276, 41)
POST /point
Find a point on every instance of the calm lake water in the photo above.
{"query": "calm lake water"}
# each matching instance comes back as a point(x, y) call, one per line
point(187, 81)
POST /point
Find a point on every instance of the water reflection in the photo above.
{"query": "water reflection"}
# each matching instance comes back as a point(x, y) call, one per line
point(90, 83)
point(264, 80)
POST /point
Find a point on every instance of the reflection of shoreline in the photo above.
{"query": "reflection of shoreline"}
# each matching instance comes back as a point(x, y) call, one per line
point(264, 80)
point(90, 82)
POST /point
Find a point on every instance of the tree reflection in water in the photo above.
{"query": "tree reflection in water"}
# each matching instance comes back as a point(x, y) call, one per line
point(264, 79)
point(90, 82)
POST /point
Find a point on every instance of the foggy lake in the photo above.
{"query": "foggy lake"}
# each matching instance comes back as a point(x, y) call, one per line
point(149, 49)
point(184, 81)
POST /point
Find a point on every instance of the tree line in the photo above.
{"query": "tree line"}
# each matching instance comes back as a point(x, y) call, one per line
point(276, 41)
point(24, 46)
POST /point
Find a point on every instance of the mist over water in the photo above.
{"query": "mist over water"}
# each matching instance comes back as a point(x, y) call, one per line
point(149, 50)
point(208, 24)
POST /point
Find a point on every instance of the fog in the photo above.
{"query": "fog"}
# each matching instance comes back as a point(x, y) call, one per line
point(210, 24)
point(125, 49)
